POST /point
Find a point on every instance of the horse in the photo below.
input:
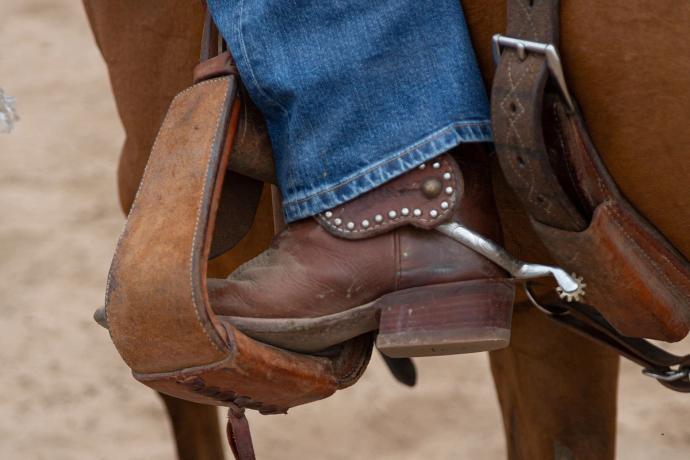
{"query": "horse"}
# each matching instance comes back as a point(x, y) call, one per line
point(557, 390)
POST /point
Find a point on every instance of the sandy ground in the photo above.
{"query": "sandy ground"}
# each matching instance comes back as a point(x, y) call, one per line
point(65, 394)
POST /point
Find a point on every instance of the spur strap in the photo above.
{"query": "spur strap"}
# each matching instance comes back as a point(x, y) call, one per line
point(239, 435)
point(670, 370)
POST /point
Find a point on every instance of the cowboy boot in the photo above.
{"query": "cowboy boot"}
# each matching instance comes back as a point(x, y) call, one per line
point(377, 263)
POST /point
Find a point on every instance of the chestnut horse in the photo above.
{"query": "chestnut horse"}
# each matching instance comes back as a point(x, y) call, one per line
point(631, 76)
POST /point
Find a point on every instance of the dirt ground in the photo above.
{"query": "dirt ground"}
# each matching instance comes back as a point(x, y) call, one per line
point(64, 392)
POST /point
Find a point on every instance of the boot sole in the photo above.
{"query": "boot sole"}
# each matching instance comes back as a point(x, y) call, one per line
point(443, 319)
point(446, 319)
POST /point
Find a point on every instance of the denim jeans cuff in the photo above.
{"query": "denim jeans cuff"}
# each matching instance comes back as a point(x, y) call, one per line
point(395, 164)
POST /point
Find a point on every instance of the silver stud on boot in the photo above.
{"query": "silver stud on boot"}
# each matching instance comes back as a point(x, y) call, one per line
point(431, 188)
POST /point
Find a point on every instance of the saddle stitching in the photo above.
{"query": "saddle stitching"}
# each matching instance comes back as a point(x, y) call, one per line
point(618, 217)
point(135, 201)
point(530, 20)
point(512, 118)
point(196, 225)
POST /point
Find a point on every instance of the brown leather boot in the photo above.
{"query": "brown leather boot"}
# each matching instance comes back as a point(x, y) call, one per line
point(376, 263)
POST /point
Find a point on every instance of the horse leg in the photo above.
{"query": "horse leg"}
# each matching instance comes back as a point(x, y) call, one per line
point(196, 430)
point(150, 49)
point(557, 392)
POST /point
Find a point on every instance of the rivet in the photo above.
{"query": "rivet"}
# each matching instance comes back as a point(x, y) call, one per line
point(417, 212)
point(436, 165)
point(422, 166)
point(405, 212)
point(446, 176)
point(378, 218)
point(449, 190)
point(365, 223)
point(337, 221)
point(433, 213)
point(444, 205)
point(350, 225)
point(329, 214)
point(392, 214)
point(431, 188)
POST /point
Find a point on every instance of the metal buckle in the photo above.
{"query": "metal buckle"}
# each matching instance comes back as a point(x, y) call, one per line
point(553, 60)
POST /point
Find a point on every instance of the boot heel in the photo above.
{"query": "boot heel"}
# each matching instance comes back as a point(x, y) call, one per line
point(445, 319)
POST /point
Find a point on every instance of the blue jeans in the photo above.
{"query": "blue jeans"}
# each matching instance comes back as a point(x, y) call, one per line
point(355, 92)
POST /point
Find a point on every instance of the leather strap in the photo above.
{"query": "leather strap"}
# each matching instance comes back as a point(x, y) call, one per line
point(211, 42)
point(517, 101)
point(241, 192)
point(215, 58)
point(239, 436)
point(252, 154)
point(585, 320)
point(216, 61)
